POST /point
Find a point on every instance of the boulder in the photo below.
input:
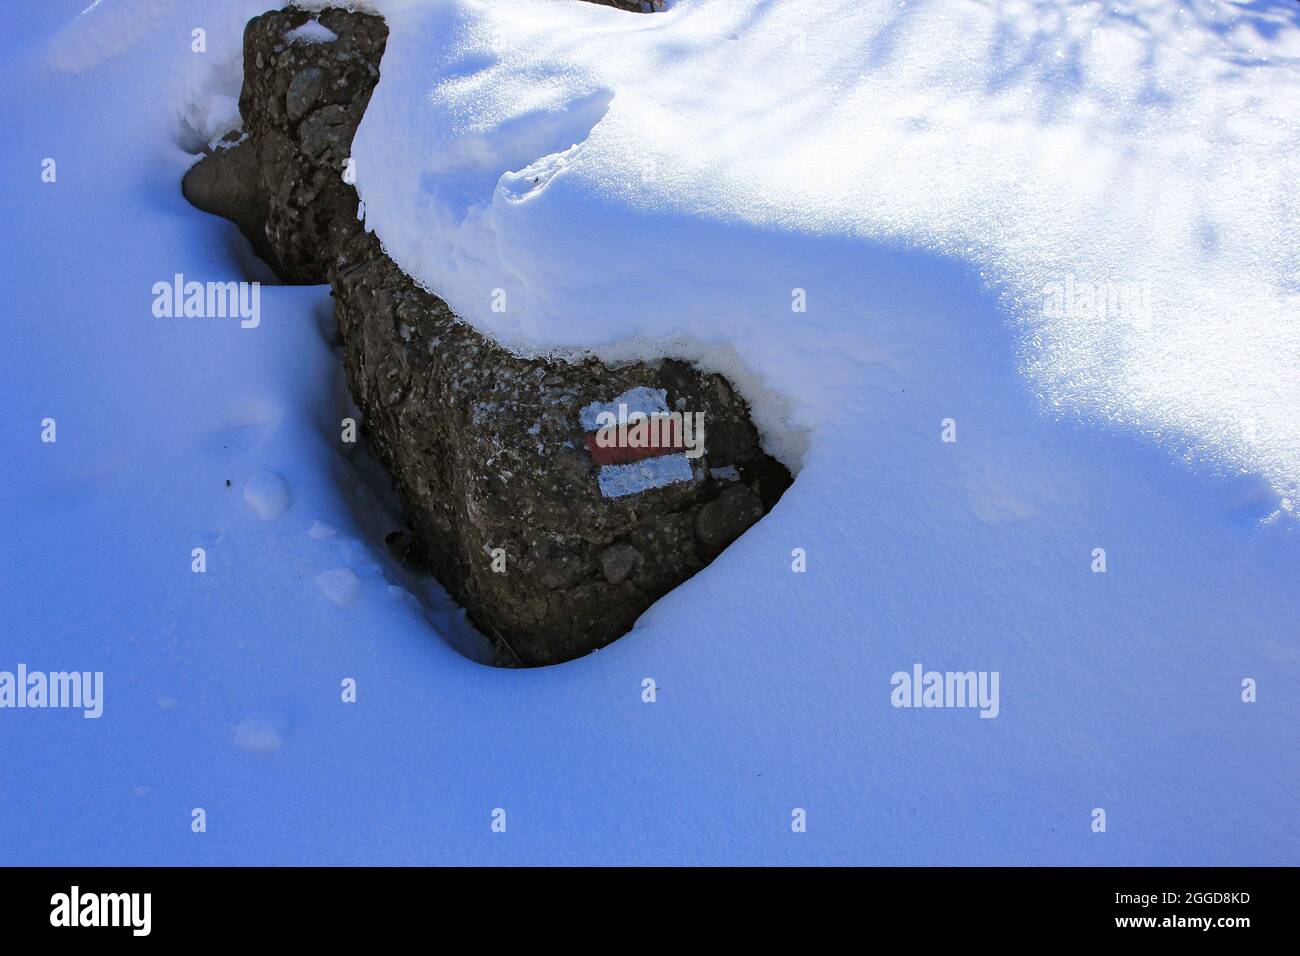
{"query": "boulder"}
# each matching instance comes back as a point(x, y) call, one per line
point(552, 552)
point(633, 6)
point(302, 100)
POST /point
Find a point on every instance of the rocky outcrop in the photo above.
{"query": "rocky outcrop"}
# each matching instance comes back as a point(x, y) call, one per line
point(490, 451)
point(633, 6)
point(554, 541)
point(307, 81)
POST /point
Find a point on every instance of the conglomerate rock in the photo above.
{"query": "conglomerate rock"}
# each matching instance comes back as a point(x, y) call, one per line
point(554, 543)
point(633, 6)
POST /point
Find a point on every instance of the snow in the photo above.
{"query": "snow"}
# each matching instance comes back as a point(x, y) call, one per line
point(313, 31)
point(267, 494)
point(1034, 148)
point(340, 585)
point(262, 732)
point(930, 176)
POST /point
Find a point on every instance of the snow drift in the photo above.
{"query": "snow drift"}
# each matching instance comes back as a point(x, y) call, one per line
point(931, 176)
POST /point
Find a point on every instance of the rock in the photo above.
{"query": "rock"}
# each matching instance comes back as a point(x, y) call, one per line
point(632, 6)
point(304, 89)
point(551, 554)
point(725, 518)
point(400, 544)
point(301, 104)
point(617, 561)
point(325, 136)
point(228, 183)
point(666, 543)
point(512, 475)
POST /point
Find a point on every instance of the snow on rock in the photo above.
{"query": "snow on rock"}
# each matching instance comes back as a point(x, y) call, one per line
point(313, 31)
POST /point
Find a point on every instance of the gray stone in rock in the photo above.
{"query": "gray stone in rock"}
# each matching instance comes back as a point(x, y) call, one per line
point(326, 135)
point(617, 561)
point(304, 89)
point(666, 543)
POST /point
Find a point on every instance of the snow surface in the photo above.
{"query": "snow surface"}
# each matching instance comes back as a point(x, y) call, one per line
point(925, 172)
point(526, 146)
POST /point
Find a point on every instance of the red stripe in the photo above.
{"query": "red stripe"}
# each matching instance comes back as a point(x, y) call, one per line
point(664, 438)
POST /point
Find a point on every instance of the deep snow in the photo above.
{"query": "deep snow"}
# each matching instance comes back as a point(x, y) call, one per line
point(925, 172)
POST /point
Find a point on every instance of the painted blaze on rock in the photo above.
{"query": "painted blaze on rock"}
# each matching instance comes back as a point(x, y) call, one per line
point(639, 444)
point(553, 550)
